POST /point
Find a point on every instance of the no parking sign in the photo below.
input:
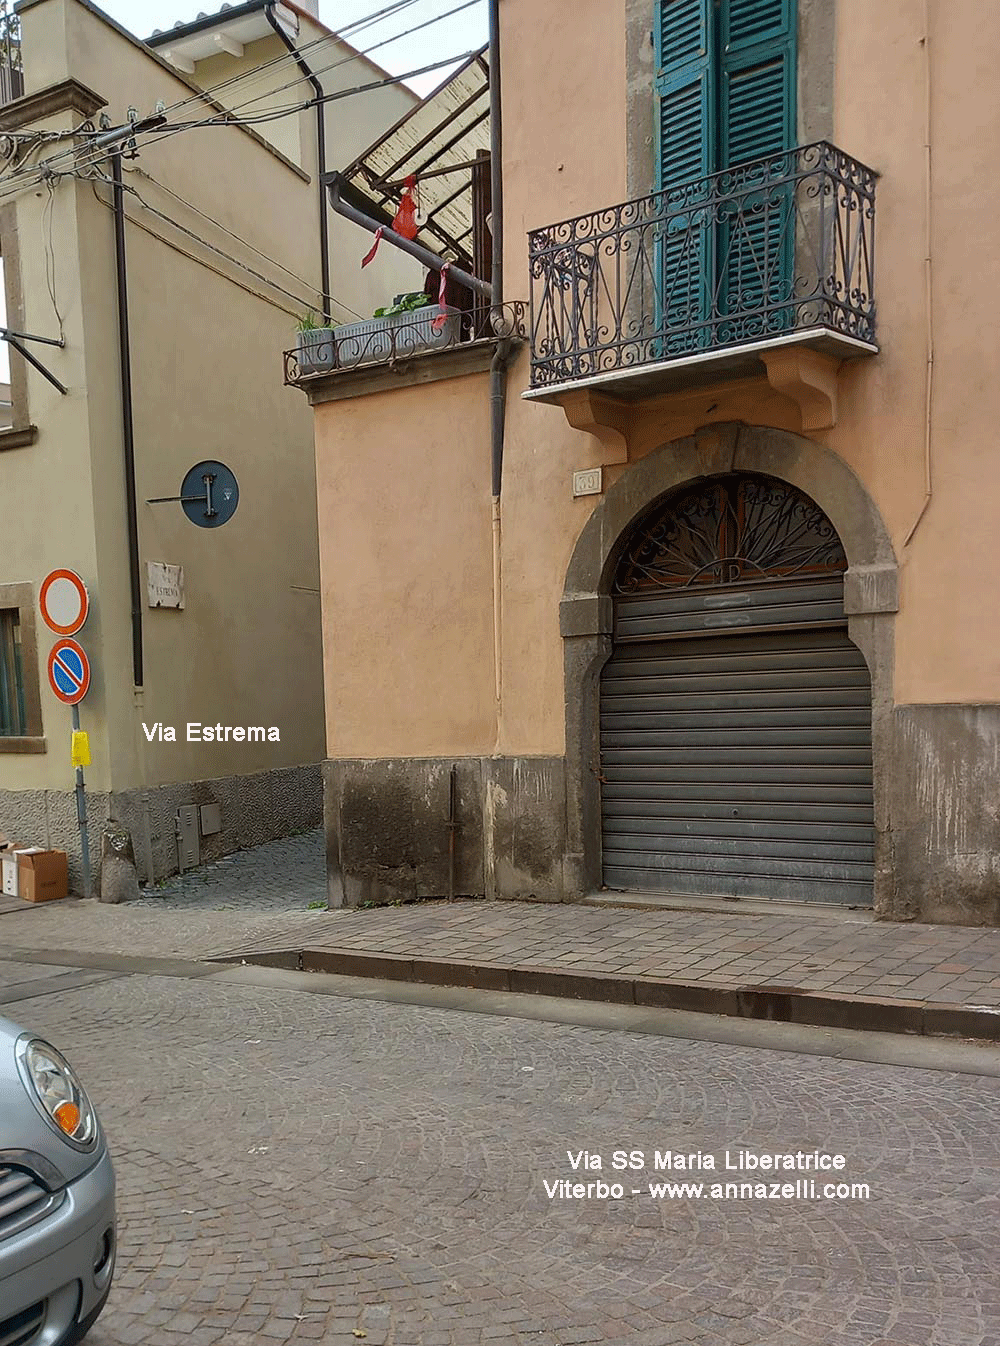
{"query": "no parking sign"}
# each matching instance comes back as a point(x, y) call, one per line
point(69, 671)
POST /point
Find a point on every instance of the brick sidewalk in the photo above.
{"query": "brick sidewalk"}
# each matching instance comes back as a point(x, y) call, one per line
point(827, 967)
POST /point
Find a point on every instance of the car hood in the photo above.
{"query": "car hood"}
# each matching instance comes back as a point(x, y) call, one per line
point(23, 1130)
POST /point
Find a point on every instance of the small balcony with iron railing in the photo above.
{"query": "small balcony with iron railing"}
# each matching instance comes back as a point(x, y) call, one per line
point(715, 278)
point(11, 70)
point(350, 354)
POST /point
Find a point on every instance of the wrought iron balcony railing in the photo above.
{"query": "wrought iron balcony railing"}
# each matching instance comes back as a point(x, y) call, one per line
point(11, 70)
point(391, 340)
point(773, 247)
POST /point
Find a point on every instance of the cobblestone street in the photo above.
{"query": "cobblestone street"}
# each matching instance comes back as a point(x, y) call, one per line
point(303, 1167)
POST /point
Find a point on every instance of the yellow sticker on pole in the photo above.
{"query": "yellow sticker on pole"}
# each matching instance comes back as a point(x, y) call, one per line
point(80, 750)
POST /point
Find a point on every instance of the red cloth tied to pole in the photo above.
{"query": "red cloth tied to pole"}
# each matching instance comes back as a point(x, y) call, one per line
point(405, 219)
point(442, 317)
point(370, 256)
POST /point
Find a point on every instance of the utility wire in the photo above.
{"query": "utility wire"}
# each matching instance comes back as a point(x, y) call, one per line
point(90, 156)
point(202, 94)
point(220, 252)
point(309, 288)
point(225, 116)
point(175, 247)
point(140, 172)
point(287, 58)
point(387, 42)
point(275, 114)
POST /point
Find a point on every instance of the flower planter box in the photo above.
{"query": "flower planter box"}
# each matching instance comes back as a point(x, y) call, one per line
point(317, 350)
point(379, 340)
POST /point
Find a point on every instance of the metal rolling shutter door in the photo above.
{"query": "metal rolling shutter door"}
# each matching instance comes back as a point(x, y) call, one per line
point(738, 764)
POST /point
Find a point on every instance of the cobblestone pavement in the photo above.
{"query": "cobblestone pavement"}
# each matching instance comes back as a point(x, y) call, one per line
point(260, 899)
point(234, 900)
point(280, 876)
point(946, 964)
point(297, 1168)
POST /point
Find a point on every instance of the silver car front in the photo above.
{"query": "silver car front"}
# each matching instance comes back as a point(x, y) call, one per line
point(57, 1198)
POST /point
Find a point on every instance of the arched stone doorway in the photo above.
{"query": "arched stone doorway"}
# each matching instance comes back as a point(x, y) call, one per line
point(735, 711)
point(587, 609)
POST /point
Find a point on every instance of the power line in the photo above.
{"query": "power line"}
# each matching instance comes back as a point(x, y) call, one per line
point(137, 224)
point(93, 155)
point(202, 94)
point(239, 239)
point(310, 288)
point(277, 114)
point(325, 69)
point(219, 252)
point(225, 116)
point(288, 58)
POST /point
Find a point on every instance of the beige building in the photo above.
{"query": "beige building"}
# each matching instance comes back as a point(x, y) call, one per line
point(722, 639)
point(219, 249)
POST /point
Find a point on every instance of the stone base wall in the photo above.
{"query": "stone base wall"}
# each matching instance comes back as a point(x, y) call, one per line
point(388, 837)
point(945, 811)
point(254, 809)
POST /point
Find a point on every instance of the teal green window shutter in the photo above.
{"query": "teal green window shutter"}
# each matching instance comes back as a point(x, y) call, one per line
point(685, 64)
point(685, 139)
point(725, 85)
point(758, 79)
point(757, 119)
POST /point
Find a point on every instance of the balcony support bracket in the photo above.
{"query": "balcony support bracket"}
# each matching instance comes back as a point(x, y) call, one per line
point(809, 378)
point(606, 418)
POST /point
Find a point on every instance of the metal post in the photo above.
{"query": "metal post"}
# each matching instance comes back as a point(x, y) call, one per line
point(81, 814)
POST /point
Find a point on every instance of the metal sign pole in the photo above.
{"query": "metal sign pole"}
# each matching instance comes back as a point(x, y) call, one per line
point(81, 814)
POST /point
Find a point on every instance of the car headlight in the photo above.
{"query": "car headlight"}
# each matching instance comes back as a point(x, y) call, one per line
point(56, 1092)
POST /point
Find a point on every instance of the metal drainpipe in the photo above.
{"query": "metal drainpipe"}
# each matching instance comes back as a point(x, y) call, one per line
point(128, 427)
point(498, 367)
point(417, 250)
point(324, 227)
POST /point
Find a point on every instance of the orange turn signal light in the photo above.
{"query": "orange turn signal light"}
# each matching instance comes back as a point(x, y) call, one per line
point(68, 1117)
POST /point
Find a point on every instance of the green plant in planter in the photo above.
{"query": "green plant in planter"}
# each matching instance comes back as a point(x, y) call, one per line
point(405, 303)
point(309, 322)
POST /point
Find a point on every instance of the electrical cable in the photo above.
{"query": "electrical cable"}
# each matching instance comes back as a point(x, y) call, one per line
point(238, 238)
point(220, 252)
point(286, 58)
point(276, 114)
point(387, 42)
point(225, 117)
point(137, 224)
point(50, 256)
point(95, 154)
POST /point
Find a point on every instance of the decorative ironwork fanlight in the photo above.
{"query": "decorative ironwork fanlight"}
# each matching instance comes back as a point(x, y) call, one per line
point(731, 530)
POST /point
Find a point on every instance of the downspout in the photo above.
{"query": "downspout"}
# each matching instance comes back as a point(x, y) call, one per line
point(324, 225)
point(928, 283)
point(498, 368)
point(128, 426)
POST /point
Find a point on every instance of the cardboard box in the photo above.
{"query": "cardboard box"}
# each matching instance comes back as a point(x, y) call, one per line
point(43, 876)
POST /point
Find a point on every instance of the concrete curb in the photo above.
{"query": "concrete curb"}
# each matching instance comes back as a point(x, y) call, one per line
point(781, 1004)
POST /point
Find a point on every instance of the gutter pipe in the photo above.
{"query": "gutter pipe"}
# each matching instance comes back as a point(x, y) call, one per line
point(501, 357)
point(128, 425)
point(324, 226)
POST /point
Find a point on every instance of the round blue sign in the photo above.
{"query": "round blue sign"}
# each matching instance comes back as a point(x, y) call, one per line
point(69, 671)
point(210, 494)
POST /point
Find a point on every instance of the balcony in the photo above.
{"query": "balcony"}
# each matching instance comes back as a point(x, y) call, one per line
point(416, 346)
point(710, 280)
point(11, 70)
